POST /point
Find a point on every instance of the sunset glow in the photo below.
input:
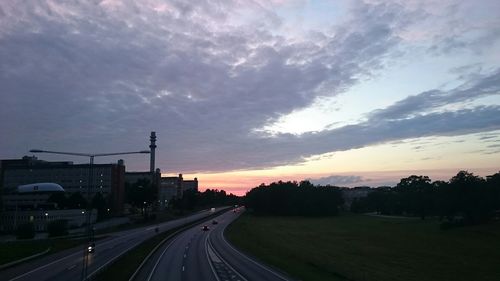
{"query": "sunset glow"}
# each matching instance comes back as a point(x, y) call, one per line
point(246, 92)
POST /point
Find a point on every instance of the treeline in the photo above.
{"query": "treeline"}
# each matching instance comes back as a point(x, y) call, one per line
point(143, 194)
point(294, 199)
point(77, 201)
point(192, 199)
point(464, 199)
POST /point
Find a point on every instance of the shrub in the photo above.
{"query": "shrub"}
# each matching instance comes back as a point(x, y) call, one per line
point(57, 228)
point(25, 231)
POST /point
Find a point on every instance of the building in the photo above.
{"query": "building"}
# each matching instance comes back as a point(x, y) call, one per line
point(134, 177)
point(190, 185)
point(174, 187)
point(108, 179)
point(170, 188)
point(351, 194)
point(40, 218)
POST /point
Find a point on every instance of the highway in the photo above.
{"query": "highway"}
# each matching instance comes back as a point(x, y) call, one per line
point(67, 265)
point(196, 255)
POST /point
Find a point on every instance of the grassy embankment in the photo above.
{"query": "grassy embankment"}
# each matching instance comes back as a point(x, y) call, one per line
point(19, 249)
point(15, 250)
point(362, 248)
point(126, 265)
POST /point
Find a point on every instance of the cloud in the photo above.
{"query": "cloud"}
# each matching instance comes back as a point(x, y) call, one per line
point(98, 76)
point(336, 180)
point(435, 99)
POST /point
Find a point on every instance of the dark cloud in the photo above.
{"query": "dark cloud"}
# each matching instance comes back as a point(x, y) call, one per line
point(433, 99)
point(98, 76)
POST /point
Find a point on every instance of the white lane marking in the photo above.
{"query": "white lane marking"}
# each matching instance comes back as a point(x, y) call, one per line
point(183, 268)
point(44, 266)
point(132, 232)
point(161, 256)
point(90, 275)
point(213, 257)
point(71, 267)
point(208, 258)
point(223, 260)
point(248, 258)
point(76, 253)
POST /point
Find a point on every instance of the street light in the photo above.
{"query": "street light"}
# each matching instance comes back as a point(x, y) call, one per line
point(89, 207)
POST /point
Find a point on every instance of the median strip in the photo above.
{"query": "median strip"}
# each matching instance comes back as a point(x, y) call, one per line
point(128, 265)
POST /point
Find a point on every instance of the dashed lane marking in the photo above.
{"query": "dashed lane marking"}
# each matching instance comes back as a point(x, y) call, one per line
point(221, 269)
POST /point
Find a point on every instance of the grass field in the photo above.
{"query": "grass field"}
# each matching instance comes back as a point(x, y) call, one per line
point(15, 250)
point(363, 248)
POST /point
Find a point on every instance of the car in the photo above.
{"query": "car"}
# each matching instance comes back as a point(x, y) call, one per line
point(91, 247)
point(205, 228)
point(215, 222)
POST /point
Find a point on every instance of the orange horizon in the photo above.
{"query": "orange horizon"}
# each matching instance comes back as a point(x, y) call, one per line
point(240, 184)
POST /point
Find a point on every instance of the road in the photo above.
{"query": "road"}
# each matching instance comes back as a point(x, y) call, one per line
point(196, 255)
point(67, 265)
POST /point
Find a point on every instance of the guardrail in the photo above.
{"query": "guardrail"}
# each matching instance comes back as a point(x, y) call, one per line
point(176, 231)
point(16, 262)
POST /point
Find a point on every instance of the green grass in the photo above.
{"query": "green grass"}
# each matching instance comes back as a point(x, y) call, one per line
point(126, 265)
point(357, 247)
point(15, 250)
point(19, 249)
point(161, 217)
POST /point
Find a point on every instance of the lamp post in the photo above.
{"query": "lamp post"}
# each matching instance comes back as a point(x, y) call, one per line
point(89, 187)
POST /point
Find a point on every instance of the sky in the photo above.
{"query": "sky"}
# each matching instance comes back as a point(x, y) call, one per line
point(246, 92)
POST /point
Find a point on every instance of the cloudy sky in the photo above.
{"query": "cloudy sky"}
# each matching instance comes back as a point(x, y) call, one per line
point(250, 91)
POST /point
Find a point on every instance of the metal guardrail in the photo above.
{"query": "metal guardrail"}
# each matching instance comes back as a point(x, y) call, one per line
point(176, 230)
point(169, 237)
point(16, 262)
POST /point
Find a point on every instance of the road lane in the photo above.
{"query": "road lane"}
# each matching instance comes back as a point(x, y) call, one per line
point(206, 255)
point(248, 268)
point(67, 265)
point(183, 258)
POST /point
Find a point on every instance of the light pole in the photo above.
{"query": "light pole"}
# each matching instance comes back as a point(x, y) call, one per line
point(90, 179)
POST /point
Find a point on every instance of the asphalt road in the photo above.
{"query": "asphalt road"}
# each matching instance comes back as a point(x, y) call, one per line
point(196, 255)
point(67, 265)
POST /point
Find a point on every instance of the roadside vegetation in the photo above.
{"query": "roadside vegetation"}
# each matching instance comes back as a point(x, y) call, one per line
point(365, 248)
point(140, 196)
point(299, 228)
point(126, 265)
point(292, 199)
point(465, 199)
point(16, 250)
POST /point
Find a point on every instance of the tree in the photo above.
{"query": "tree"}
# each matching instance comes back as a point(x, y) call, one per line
point(464, 199)
point(493, 186)
point(59, 199)
point(100, 204)
point(292, 198)
point(25, 231)
point(416, 195)
point(139, 192)
point(57, 228)
point(470, 197)
point(76, 201)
